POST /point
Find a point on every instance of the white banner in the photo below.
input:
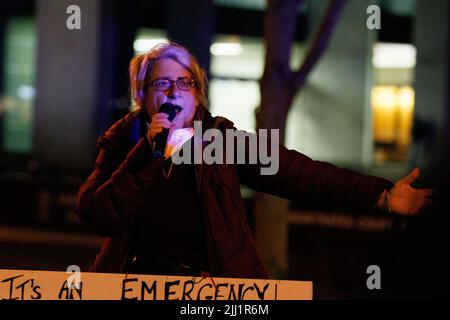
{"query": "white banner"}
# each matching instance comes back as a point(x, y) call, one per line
point(75, 285)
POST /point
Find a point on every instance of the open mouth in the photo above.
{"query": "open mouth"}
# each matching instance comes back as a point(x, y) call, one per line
point(171, 109)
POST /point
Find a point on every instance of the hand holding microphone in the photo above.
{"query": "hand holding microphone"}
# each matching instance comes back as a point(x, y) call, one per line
point(161, 125)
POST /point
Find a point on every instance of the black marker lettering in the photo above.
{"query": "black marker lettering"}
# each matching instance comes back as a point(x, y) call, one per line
point(167, 292)
point(187, 292)
point(145, 289)
point(124, 282)
point(261, 293)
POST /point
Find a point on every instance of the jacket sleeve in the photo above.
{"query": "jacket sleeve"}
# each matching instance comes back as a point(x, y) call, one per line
point(114, 191)
point(301, 179)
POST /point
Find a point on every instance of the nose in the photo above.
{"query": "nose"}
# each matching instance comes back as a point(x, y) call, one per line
point(174, 92)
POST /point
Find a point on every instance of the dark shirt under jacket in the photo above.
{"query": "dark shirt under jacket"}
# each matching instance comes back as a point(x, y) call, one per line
point(169, 235)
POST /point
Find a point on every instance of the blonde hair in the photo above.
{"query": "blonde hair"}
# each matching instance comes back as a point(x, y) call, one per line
point(141, 67)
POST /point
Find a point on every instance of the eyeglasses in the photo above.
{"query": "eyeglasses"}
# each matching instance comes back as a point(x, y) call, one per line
point(166, 84)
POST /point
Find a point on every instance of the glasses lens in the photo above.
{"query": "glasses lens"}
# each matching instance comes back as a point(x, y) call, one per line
point(185, 84)
point(165, 84)
point(161, 84)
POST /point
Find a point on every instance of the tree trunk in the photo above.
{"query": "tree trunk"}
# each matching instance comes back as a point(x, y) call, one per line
point(278, 87)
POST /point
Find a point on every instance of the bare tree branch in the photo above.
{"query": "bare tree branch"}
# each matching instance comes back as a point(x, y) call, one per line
point(320, 43)
point(279, 31)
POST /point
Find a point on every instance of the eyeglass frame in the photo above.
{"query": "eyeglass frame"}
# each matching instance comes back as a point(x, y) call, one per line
point(192, 84)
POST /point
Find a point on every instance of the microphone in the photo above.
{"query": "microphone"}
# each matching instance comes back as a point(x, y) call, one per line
point(161, 138)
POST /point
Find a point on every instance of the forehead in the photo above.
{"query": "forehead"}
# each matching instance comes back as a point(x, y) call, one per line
point(169, 68)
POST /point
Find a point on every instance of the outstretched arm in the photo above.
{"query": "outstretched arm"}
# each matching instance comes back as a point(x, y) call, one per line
point(302, 179)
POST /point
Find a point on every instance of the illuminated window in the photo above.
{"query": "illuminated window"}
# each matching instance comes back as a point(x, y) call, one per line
point(392, 100)
point(17, 100)
point(146, 39)
point(392, 109)
point(237, 64)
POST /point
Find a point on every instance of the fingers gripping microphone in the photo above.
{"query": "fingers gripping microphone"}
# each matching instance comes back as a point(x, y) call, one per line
point(161, 138)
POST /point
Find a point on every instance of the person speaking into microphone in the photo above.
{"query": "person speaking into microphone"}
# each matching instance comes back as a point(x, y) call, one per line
point(190, 219)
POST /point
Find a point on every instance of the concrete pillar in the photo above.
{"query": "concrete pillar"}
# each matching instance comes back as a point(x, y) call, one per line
point(432, 80)
point(191, 24)
point(67, 85)
point(118, 34)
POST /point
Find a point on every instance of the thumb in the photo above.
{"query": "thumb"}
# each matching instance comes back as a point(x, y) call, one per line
point(412, 176)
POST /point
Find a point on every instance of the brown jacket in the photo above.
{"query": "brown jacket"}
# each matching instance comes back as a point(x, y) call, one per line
point(114, 193)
